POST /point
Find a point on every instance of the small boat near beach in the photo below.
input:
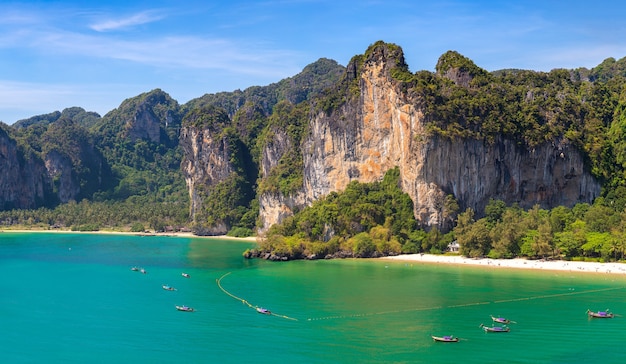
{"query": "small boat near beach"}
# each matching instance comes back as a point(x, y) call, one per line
point(135, 269)
point(186, 275)
point(168, 288)
point(143, 271)
point(600, 314)
point(501, 320)
point(495, 328)
point(445, 339)
point(264, 311)
point(185, 308)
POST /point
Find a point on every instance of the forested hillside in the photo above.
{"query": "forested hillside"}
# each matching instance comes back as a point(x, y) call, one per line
point(124, 170)
point(228, 162)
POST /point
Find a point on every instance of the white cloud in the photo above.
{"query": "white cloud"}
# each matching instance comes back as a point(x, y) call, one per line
point(127, 22)
point(189, 52)
point(168, 50)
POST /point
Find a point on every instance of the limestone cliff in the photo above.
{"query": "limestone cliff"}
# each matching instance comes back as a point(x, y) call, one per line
point(23, 181)
point(61, 172)
point(384, 126)
point(152, 116)
point(274, 204)
point(211, 168)
point(205, 164)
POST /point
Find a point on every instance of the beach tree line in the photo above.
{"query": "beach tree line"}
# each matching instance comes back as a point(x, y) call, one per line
point(137, 214)
point(584, 232)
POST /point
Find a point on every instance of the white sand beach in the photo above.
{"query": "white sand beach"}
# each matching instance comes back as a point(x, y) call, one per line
point(518, 263)
point(560, 265)
point(173, 234)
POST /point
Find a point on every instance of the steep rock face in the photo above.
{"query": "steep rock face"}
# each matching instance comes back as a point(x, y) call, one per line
point(23, 182)
point(274, 150)
point(384, 128)
point(144, 125)
point(74, 165)
point(274, 206)
point(152, 116)
point(206, 163)
point(60, 170)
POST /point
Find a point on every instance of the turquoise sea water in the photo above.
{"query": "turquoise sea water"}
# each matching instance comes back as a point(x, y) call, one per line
point(72, 298)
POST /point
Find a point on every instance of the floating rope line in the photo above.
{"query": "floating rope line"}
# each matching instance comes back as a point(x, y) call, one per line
point(463, 305)
point(558, 295)
point(374, 313)
point(219, 284)
point(356, 315)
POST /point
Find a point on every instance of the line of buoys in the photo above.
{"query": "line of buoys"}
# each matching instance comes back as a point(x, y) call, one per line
point(462, 305)
point(219, 284)
point(356, 315)
point(558, 295)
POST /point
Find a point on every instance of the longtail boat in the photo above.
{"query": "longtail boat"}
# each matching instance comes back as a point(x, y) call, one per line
point(600, 314)
point(185, 308)
point(500, 320)
point(495, 328)
point(445, 339)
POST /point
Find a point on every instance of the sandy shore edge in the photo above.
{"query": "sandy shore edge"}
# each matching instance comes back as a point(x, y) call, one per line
point(172, 234)
point(517, 263)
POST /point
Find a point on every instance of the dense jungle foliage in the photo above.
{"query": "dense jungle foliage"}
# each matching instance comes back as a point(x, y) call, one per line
point(364, 220)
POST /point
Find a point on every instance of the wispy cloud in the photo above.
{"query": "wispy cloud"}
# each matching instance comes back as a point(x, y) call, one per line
point(20, 100)
point(127, 22)
point(160, 51)
point(161, 48)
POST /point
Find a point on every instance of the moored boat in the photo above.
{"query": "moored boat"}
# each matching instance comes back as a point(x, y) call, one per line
point(500, 320)
point(495, 328)
point(264, 311)
point(168, 288)
point(600, 314)
point(135, 269)
point(445, 339)
point(185, 308)
point(186, 275)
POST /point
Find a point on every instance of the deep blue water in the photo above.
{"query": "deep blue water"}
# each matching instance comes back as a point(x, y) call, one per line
point(72, 298)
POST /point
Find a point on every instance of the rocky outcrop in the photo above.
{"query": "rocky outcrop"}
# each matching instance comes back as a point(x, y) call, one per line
point(23, 181)
point(384, 127)
point(152, 116)
point(206, 163)
point(274, 207)
point(61, 172)
point(144, 125)
point(207, 158)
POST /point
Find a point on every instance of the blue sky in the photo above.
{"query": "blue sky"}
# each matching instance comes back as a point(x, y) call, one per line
point(95, 54)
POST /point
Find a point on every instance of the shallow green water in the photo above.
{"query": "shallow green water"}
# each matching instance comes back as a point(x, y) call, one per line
point(72, 298)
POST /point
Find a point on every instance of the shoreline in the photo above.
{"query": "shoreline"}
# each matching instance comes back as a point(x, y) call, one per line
point(458, 260)
point(104, 232)
point(515, 263)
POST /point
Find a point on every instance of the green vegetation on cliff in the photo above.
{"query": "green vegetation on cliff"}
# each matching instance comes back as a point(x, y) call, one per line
point(365, 220)
point(290, 121)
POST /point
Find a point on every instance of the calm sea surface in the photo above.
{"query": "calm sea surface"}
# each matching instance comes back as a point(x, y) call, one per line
point(72, 298)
